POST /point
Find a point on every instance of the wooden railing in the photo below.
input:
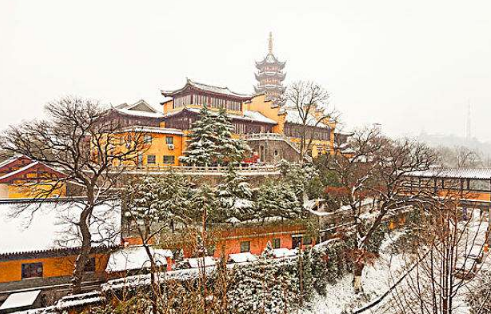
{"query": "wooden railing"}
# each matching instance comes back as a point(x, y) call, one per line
point(203, 170)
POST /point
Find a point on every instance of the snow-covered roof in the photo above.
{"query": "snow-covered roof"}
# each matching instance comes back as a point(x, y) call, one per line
point(249, 115)
point(133, 258)
point(26, 168)
point(11, 159)
point(242, 257)
point(13, 173)
point(270, 59)
point(257, 116)
point(198, 261)
point(152, 129)
point(20, 299)
point(141, 109)
point(46, 226)
point(283, 252)
point(463, 173)
point(206, 88)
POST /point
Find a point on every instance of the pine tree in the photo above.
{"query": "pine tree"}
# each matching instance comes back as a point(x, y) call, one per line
point(202, 149)
point(235, 197)
point(230, 150)
point(277, 200)
point(211, 141)
point(307, 275)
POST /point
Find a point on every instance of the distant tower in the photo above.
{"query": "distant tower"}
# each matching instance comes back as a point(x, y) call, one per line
point(270, 74)
point(468, 134)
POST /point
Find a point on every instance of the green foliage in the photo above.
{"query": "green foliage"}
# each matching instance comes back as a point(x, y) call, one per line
point(277, 200)
point(268, 285)
point(202, 149)
point(158, 199)
point(211, 142)
point(235, 197)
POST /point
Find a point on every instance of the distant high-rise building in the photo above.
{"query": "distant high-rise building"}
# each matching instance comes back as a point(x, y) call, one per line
point(270, 74)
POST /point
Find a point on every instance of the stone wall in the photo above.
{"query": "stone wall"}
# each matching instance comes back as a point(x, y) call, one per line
point(272, 151)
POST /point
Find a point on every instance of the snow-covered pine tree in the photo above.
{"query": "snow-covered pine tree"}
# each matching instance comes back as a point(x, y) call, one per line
point(307, 276)
point(319, 270)
point(277, 200)
point(265, 286)
point(235, 197)
point(151, 205)
point(230, 150)
point(202, 149)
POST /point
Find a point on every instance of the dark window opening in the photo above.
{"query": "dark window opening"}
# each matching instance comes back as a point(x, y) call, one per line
point(151, 159)
point(90, 266)
point(169, 140)
point(32, 270)
point(296, 241)
point(245, 246)
point(276, 243)
point(169, 159)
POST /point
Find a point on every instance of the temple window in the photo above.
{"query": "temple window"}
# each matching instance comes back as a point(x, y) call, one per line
point(90, 266)
point(32, 270)
point(147, 139)
point(151, 159)
point(276, 243)
point(168, 160)
point(245, 246)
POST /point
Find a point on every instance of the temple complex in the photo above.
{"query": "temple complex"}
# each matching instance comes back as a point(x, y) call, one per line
point(270, 74)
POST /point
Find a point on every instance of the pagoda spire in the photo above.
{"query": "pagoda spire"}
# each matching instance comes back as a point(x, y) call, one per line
point(270, 74)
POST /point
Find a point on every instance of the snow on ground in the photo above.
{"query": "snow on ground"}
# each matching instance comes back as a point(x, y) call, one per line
point(376, 279)
point(379, 277)
point(50, 225)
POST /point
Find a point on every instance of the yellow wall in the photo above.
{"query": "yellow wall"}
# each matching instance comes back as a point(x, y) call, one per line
point(260, 104)
point(18, 190)
point(159, 149)
point(52, 267)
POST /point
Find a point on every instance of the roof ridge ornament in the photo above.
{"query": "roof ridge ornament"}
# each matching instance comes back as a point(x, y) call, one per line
point(270, 46)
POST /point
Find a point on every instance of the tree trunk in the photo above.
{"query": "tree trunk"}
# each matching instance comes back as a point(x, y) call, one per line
point(84, 254)
point(153, 279)
point(357, 272)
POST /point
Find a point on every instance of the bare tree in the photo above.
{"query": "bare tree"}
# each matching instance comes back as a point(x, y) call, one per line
point(450, 257)
point(459, 157)
point(86, 147)
point(372, 184)
point(309, 103)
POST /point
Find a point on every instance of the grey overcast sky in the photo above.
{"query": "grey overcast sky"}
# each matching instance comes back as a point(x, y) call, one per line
point(409, 65)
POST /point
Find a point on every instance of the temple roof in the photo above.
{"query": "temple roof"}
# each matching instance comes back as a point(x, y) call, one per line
point(453, 173)
point(261, 75)
point(141, 109)
point(34, 166)
point(269, 60)
point(249, 115)
point(219, 91)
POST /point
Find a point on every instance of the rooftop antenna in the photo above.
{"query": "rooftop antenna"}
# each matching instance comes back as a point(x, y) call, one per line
point(468, 133)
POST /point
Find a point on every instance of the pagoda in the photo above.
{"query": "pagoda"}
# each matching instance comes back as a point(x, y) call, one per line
point(270, 75)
